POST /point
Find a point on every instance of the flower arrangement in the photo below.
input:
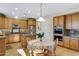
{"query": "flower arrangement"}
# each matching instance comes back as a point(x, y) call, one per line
point(40, 35)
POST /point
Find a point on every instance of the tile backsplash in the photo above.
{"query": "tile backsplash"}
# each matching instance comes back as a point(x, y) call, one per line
point(72, 32)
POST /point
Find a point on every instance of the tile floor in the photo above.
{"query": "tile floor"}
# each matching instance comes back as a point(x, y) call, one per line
point(60, 51)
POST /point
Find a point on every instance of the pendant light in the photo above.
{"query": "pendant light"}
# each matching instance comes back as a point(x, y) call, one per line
point(40, 19)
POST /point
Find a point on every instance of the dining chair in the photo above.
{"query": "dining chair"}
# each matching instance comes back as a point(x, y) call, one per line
point(21, 52)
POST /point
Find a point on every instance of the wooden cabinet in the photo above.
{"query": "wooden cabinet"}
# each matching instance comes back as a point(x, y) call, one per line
point(74, 43)
point(2, 23)
point(68, 22)
point(55, 21)
point(2, 46)
point(14, 38)
point(31, 22)
point(9, 22)
point(23, 24)
point(66, 41)
point(61, 20)
point(7, 39)
point(75, 21)
point(58, 21)
point(6, 23)
point(71, 42)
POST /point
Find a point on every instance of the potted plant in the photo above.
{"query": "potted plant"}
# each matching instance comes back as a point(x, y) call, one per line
point(40, 35)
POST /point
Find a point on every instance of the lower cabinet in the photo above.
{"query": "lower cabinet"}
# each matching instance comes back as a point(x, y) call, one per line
point(74, 43)
point(2, 47)
point(14, 38)
point(7, 39)
point(66, 41)
point(71, 42)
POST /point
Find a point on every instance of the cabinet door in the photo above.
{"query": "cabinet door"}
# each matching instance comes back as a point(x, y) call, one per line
point(68, 22)
point(16, 38)
point(7, 39)
point(74, 43)
point(23, 24)
point(9, 22)
point(75, 21)
point(6, 23)
point(61, 21)
point(2, 47)
point(55, 21)
point(66, 41)
point(11, 38)
point(31, 22)
point(2, 23)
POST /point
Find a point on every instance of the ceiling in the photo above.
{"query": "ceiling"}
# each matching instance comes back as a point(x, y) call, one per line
point(25, 10)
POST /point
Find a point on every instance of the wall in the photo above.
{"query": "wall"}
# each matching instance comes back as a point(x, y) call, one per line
point(47, 28)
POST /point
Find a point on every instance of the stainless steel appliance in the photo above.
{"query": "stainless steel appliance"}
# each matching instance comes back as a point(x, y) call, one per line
point(58, 33)
point(15, 28)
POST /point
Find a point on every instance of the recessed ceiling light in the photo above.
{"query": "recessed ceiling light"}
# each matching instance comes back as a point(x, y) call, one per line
point(29, 12)
point(16, 8)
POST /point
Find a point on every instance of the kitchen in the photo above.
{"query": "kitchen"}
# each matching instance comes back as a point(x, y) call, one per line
point(21, 27)
point(67, 30)
point(16, 30)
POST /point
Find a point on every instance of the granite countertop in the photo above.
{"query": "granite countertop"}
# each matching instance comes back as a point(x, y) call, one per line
point(28, 34)
point(73, 36)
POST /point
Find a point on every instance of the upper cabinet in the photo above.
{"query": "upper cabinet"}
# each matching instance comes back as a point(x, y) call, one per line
point(55, 22)
point(75, 21)
point(58, 21)
point(23, 24)
point(2, 22)
point(31, 22)
point(61, 20)
point(9, 22)
point(68, 21)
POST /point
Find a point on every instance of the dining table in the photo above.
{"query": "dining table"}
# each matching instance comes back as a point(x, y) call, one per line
point(38, 46)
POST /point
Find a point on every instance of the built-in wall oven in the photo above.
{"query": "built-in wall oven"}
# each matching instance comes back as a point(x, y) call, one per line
point(58, 33)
